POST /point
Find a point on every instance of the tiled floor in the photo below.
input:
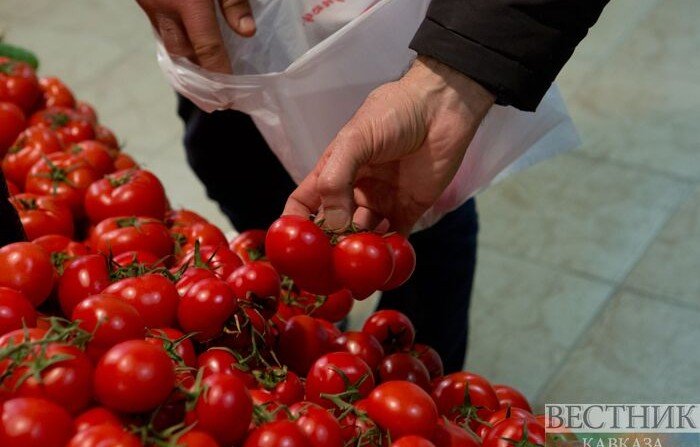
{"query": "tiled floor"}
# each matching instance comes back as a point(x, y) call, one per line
point(588, 282)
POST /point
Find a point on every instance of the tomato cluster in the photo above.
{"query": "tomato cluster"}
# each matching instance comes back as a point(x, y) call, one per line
point(124, 322)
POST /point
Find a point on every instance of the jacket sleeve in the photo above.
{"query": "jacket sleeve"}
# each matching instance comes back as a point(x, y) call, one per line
point(10, 226)
point(514, 48)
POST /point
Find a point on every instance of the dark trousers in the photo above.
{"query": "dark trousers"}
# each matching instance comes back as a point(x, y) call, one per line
point(241, 173)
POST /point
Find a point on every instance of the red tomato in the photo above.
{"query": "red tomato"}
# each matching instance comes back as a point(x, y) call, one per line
point(404, 260)
point(284, 386)
point(362, 345)
point(12, 123)
point(449, 434)
point(109, 319)
point(219, 259)
point(277, 434)
point(31, 422)
point(224, 409)
point(18, 84)
point(338, 373)
point(509, 396)
point(56, 93)
point(87, 111)
point(27, 268)
point(319, 426)
point(362, 263)
point(12, 188)
point(502, 414)
point(117, 235)
point(152, 295)
point(182, 218)
point(402, 408)
point(42, 215)
point(301, 342)
point(95, 416)
point(196, 438)
point(249, 245)
point(404, 366)
point(70, 126)
point(205, 308)
point(335, 306)
point(83, 276)
point(430, 358)
point(192, 276)
point(104, 435)
point(30, 146)
point(392, 329)
point(465, 397)
point(16, 311)
point(202, 232)
point(412, 441)
point(22, 335)
point(298, 248)
point(63, 177)
point(173, 341)
point(123, 161)
point(222, 361)
point(134, 376)
point(96, 154)
point(510, 432)
point(106, 136)
point(256, 278)
point(331, 330)
point(132, 192)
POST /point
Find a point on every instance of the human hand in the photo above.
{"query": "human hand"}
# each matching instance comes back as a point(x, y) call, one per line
point(189, 28)
point(398, 153)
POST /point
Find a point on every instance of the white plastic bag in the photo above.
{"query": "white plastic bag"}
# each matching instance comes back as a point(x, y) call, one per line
point(313, 62)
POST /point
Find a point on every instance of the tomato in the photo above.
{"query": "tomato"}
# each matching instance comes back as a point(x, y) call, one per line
point(205, 308)
point(512, 432)
point(430, 358)
point(191, 276)
point(31, 422)
point(359, 430)
point(104, 435)
point(502, 414)
point(202, 232)
point(18, 84)
point(106, 136)
point(449, 434)
point(95, 416)
point(135, 260)
point(131, 192)
point(123, 161)
point(16, 311)
point(27, 268)
point(465, 397)
point(217, 258)
point(117, 235)
point(338, 373)
point(249, 245)
point(319, 426)
point(83, 276)
point(134, 376)
point(60, 373)
point(182, 218)
point(42, 215)
point(96, 154)
point(153, 295)
point(257, 278)
point(22, 335)
point(404, 260)
point(56, 93)
point(63, 177)
point(392, 329)
point(301, 342)
point(30, 146)
point(412, 441)
point(509, 396)
point(12, 188)
point(109, 319)
point(87, 111)
point(362, 345)
point(402, 408)
point(277, 434)
point(12, 123)
point(222, 361)
point(70, 126)
point(299, 248)
point(196, 438)
point(284, 386)
point(404, 366)
point(224, 409)
point(172, 340)
point(362, 263)
point(335, 306)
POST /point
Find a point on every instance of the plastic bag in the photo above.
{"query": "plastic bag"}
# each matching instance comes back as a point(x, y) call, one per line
point(313, 62)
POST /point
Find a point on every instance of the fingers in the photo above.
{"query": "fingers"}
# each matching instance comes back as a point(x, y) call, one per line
point(204, 35)
point(305, 199)
point(173, 35)
point(239, 16)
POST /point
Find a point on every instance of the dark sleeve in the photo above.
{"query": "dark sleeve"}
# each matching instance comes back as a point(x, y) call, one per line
point(10, 227)
point(514, 48)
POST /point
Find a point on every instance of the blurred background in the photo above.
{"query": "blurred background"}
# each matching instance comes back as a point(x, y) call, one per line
point(588, 279)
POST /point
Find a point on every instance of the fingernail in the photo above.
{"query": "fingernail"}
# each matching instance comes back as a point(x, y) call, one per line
point(246, 24)
point(336, 219)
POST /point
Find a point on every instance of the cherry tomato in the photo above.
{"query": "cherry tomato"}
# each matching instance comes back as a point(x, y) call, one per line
point(82, 277)
point(87, 111)
point(402, 408)
point(123, 161)
point(182, 218)
point(511, 431)
point(362, 263)
point(301, 342)
point(32, 422)
point(404, 260)
point(42, 215)
point(196, 438)
point(131, 192)
point(12, 188)
point(501, 414)
point(361, 344)
point(449, 434)
point(277, 434)
point(191, 276)
point(338, 373)
point(106, 136)
point(392, 329)
point(219, 259)
point(222, 361)
point(404, 366)
point(412, 441)
point(509, 396)
point(335, 306)
point(30, 146)
point(27, 268)
point(298, 248)
point(465, 397)
point(16, 311)
point(257, 278)
point(430, 358)
point(319, 426)
point(117, 235)
point(104, 435)
point(284, 386)
point(249, 245)
point(70, 126)
point(96, 154)
point(56, 93)
point(12, 123)
point(134, 376)
point(18, 84)
point(172, 340)
point(205, 308)
point(202, 232)
point(95, 416)
point(153, 295)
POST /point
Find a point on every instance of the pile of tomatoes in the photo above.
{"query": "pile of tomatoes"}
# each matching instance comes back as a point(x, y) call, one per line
point(124, 322)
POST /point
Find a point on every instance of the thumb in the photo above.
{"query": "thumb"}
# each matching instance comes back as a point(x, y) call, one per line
point(335, 183)
point(239, 16)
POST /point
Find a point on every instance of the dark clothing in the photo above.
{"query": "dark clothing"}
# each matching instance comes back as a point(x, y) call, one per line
point(514, 48)
point(251, 186)
point(10, 227)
